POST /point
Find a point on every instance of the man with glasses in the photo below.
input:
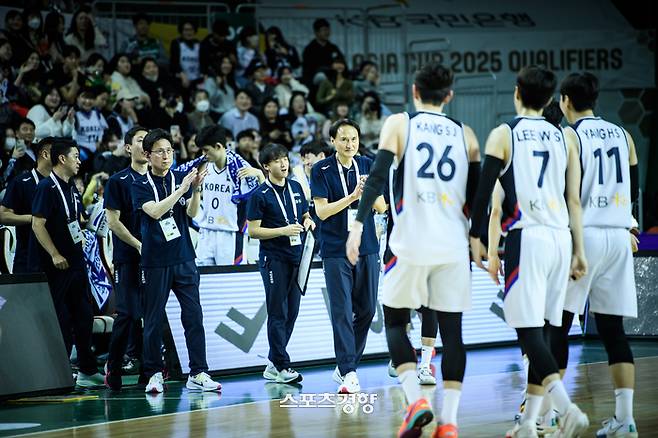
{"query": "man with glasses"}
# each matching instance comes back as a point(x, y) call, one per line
point(167, 199)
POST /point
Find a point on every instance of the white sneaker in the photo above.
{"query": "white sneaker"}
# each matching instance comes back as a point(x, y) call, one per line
point(522, 430)
point(156, 384)
point(572, 424)
point(547, 424)
point(90, 381)
point(270, 372)
point(350, 384)
point(202, 382)
point(288, 376)
point(391, 369)
point(615, 428)
point(425, 376)
point(338, 378)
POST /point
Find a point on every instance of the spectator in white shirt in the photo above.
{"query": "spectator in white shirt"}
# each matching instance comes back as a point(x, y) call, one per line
point(51, 118)
point(239, 118)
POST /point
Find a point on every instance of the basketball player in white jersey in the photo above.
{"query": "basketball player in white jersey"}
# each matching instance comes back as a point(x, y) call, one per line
point(609, 187)
point(219, 225)
point(531, 158)
point(436, 169)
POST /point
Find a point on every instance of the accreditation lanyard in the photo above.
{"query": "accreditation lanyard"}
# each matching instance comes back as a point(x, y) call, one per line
point(155, 191)
point(34, 175)
point(343, 178)
point(278, 198)
point(66, 205)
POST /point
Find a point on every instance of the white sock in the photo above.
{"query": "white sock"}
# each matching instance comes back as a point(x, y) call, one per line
point(426, 355)
point(409, 381)
point(546, 406)
point(623, 403)
point(450, 405)
point(558, 395)
point(532, 405)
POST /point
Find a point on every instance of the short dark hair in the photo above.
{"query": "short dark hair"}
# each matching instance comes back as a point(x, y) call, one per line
point(433, 82)
point(132, 132)
point(60, 146)
point(42, 144)
point(154, 136)
point(315, 147)
point(536, 86)
point(23, 121)
point(319, 24)
point(245, 133)
point(70, 50)
point(184, 22)
point(141, 16)
point(553, 114)
point(243, 91)
point(220, 27)
point(211, 135)
point(333, 131)
point(582, 90)
point(271, 152)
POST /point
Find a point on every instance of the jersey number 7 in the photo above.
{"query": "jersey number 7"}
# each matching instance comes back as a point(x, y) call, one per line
point(544, 163)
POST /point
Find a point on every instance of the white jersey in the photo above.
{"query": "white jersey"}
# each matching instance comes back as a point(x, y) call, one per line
point(428, 192)
point(219, 212)
point(606, 181)
point(189, 60)
point(534, 179)
point(89, 128)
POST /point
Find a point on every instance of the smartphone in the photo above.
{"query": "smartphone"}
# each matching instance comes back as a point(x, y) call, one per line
point(174, 130)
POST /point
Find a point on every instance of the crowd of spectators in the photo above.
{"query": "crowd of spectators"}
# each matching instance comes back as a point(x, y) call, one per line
point(59, 81)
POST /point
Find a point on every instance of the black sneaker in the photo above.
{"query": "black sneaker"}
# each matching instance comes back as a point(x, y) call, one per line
point(131, 368)
point(113, 380)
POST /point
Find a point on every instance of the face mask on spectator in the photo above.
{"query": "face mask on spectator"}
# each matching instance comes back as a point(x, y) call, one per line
point(151, 78)
point(34, 23)
point(10, 143)
point(179, 107)
point(202, 106)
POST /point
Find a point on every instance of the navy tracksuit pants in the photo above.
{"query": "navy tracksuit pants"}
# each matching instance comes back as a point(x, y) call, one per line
point(183, 280)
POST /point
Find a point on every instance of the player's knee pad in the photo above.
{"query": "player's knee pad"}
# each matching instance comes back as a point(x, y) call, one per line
point(559, 340)
point(430, 323)
point(542, 363)
point(611, 331)
point(399, 346)
point(453, 359)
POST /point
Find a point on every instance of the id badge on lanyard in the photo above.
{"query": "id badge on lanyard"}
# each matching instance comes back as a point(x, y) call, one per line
point(351, 212)
point(294, 240)
point(168, 226)
point(72, 222)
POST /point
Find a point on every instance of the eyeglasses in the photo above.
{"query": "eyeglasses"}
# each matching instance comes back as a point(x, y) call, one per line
point(162, 152)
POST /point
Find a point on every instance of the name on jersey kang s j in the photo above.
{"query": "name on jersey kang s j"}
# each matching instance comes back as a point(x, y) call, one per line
point(535, 135)
point(438, 129)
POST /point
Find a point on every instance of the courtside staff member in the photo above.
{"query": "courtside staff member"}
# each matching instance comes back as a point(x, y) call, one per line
point(166, 200)
point(16, 208)
point(55, 221)
point(275, 213)
point(336, 186)
point(126, 244)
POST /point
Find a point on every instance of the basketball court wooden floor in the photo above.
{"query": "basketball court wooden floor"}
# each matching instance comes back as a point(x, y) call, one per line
point(249, 407)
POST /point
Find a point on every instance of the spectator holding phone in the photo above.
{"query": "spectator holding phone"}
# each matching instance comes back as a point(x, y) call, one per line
point(51, 117)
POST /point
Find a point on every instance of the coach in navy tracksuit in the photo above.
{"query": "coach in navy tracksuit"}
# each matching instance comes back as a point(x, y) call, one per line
point(56, 224)
point(126, 246)
point(277, 212)
point(336, 186)
point(166, 200)
point(16, 208)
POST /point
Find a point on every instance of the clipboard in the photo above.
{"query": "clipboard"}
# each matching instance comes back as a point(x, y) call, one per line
point(305, 263)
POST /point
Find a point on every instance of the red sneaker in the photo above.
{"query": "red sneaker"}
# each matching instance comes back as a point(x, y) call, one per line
point(445, 431)
point(418, 416)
